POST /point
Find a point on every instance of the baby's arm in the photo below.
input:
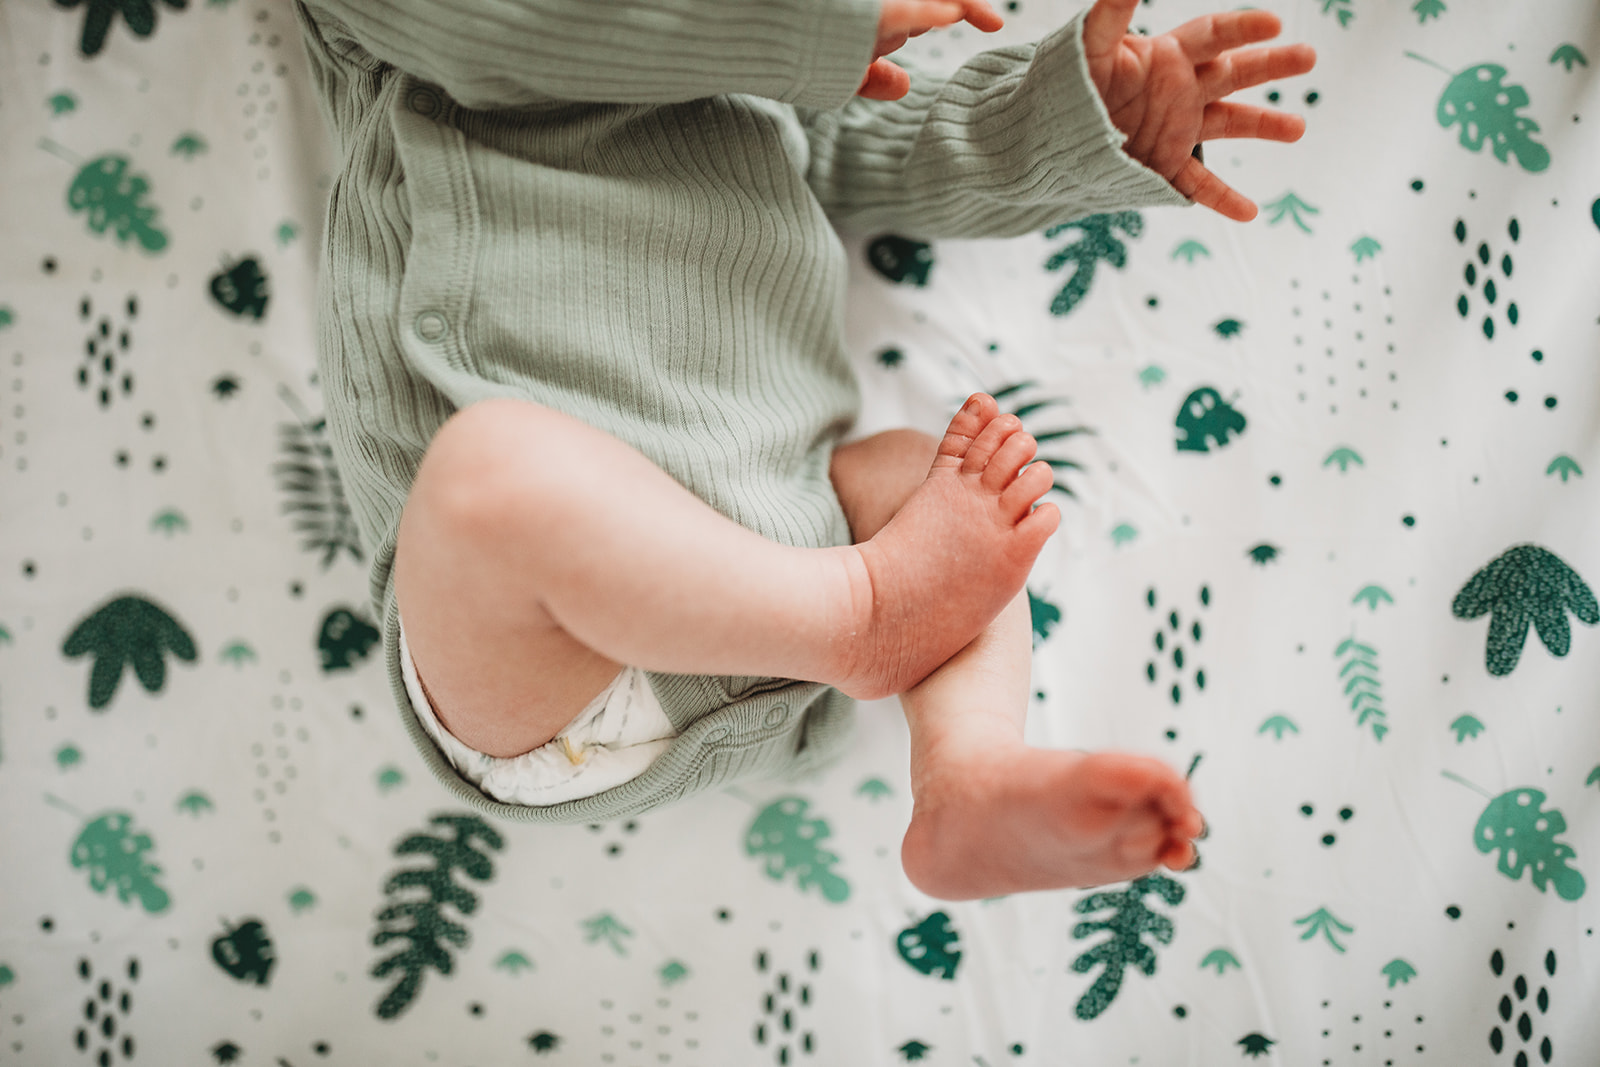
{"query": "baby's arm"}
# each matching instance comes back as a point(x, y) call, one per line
point(1023, 137)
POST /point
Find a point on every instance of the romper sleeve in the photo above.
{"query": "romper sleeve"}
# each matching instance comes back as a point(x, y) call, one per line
point(1015, 140)
point(512, 53)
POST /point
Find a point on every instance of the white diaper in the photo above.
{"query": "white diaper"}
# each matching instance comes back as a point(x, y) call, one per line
point(611, 741)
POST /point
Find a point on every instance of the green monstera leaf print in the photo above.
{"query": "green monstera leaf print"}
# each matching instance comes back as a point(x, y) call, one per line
point(1487, 111)
point(1516, 824)
point(113, 850)
point(111, 198)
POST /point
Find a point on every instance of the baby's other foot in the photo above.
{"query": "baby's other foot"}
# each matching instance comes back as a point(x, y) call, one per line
point(990, 821)
point(953, 556)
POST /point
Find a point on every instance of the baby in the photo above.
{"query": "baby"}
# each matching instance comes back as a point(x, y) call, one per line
point(581, 350)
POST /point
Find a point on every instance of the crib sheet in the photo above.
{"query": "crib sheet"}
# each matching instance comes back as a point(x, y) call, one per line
point(1328, 546)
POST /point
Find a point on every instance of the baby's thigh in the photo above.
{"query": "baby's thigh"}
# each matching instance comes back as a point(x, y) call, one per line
point(501, 675)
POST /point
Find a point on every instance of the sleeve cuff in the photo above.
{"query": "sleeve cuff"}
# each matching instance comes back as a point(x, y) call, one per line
point(837, 54)
point(1089, 144)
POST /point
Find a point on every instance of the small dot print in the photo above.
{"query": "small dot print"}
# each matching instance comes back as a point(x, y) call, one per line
point(1276, 480)
point(1409, 520)
point(1416, 185)
point(1550, 402)
point(1453, 912)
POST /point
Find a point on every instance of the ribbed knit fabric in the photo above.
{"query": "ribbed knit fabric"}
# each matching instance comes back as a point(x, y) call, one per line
point(621, 211)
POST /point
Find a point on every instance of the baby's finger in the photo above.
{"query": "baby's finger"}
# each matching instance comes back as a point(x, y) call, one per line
point(1105, 25)
point(1223, 120)
point(1206, 189)
point(1208, 36)
point(981, 16)
point(884, 81)
point(1241, 70)
point(917, 16)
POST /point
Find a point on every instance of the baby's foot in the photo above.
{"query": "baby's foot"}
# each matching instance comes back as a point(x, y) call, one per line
point(952, 557)
point(995, 820)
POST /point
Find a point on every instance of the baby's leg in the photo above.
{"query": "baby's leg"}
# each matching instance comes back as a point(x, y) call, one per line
point(992, 815)
point(537, 554)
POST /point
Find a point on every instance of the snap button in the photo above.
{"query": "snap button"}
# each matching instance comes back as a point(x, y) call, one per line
point(432, 326)
point(424, 102)
point(776, 716)
point(717, 733)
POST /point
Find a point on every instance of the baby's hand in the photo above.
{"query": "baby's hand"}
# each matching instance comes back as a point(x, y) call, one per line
point(1166, 93)
point(901, 20)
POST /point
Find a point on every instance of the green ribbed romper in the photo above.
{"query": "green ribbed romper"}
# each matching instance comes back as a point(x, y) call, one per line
point(621, 210)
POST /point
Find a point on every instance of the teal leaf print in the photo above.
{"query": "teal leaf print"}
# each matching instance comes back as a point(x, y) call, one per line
point(1372, 596)
point(1264, 553)
point(931, 946)
point(901, 260)
point(1568, 54)
point(791, 842)
point(189, 145)
point(1221, 959)
point(1361, 685)
point(1096, 241)
point(417, 899)
point(63, 104)
point(1344, 456)
point(1288, 206)
point(129, 630)
point(113, 850)
point(1188, 250)
point(1365, 248)
point(1278, 725)
point(1398, 971)
point(1130, 921)
point(1339, 9)
point(1324, 922)
point(1427, 9)
point(1255, 1044)
point(1045, 616)
point(1206, 421)
point(1487, 111)
point(110, 197)
point(245, 951)
point(1526, 585)
point(1466, 726)
point(1564, 465)
point(1516, 824)
point(140, 15)
point(606, 927)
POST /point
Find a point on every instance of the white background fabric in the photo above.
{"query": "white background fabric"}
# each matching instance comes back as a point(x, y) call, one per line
point(1344, 912)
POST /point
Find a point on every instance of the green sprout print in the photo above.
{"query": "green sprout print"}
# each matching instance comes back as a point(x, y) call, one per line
point(1568, 54)
point(1288, 206)
point(1324, 922)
